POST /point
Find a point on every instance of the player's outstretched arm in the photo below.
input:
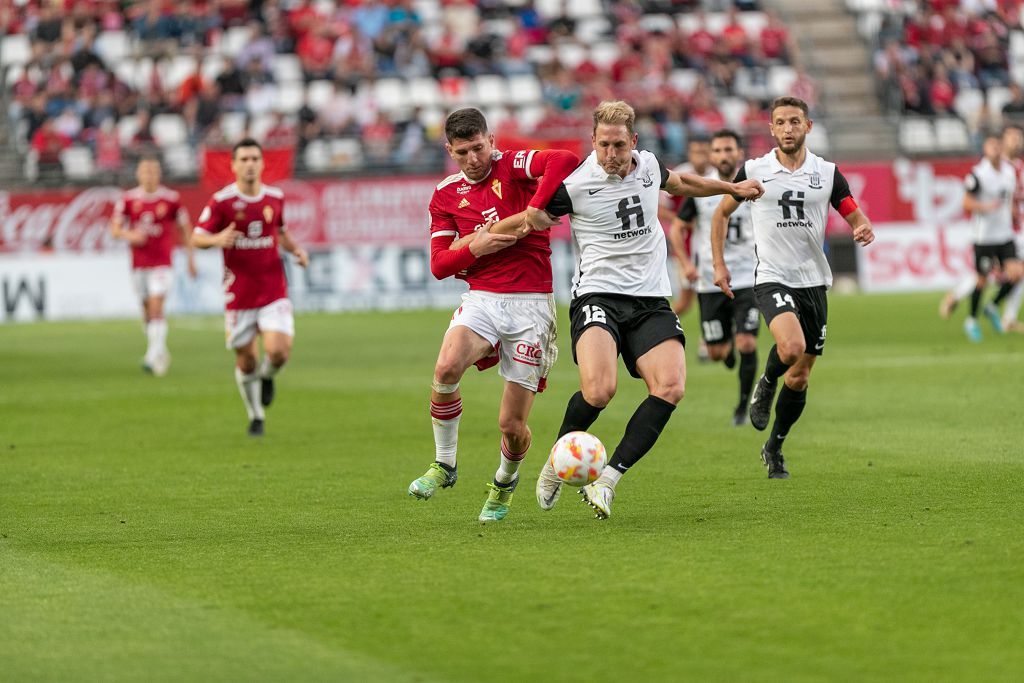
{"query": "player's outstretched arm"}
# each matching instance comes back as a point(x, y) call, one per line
point(513, 225)
point(863, 233)
point(286, 241)
point(185, 225)
point(719, 228)
point(689, 185)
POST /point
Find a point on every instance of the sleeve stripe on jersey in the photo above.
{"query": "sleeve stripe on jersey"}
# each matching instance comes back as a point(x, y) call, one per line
point(529, 160)
point(201, 231)
point(444, 233)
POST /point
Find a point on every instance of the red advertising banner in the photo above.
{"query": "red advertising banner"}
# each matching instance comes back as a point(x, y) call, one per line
point(393, 211)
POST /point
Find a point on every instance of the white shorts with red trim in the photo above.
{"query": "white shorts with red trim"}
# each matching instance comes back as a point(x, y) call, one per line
point(150, 282)
point(520, 327)
point(240, 326)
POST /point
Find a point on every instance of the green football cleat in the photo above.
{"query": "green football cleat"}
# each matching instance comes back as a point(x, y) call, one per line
point(498, 498)
point(436, 477)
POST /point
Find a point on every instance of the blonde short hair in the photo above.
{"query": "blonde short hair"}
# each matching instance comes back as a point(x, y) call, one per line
point(616, 113)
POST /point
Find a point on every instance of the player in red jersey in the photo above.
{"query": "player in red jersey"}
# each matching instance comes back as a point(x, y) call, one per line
point(508, 316)
point(145, 217)
point(246, 220)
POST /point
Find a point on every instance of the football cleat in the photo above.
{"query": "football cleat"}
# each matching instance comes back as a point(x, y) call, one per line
point(549, 487)
point(267, 391)
point(775, 463)
point(992, 313)
point(435, 477)
point(761, 403)
point(973, 330)
point(599, 496)
point(498, 499)
point(739, 416)
point(730, 360)
point(1015, 326)
point(161, 364)
point(256, 427)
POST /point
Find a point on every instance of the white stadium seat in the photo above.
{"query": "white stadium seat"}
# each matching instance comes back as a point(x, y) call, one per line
point(112, 46)
point(317, 156)
point(287, 68)
point(490, 91)
point(968, 103)
point(733, 109)
point(290, 97)
point(951, 134)
point(14, 49)
point(684, 80)
point(425, 92)
point(524, 89)
point(780, 80)
point(179, 160)
point(570, 55)
point(604, 53)
point(77, 163)
point(232, 125)
point(319, 93)
point(391, 94)
point(169, 129)
point(233, 40)
point(917, 135)
point(127, 127)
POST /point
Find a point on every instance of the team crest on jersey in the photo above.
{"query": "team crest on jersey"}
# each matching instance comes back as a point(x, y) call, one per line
point(238, 205)
point(814, 180)
point(161, 210)
point(647, 180)
point(464, 203)
point(496, 186)
point(268, 214)
point(464, 189)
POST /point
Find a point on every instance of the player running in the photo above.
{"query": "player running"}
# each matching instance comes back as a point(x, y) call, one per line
point(508, 316)
point(145, 217)
point(792, 272)
point(727, 325)
point(619, 292)
point(246, 220)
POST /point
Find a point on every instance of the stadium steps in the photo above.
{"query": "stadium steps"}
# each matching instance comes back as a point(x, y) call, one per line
point(841, 62)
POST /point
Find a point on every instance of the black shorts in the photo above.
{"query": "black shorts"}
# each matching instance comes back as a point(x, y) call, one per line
point(809, 304)
point(987, 256)
point(722, 317)
point(637, 324)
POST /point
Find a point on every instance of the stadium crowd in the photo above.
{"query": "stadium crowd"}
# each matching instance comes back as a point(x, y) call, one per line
point(950, 57)
point(356, 83)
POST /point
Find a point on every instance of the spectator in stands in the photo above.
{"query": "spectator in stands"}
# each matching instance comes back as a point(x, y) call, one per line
point(259, 47)
point(316, 51)
point(736, 41)
point(231, 85)
point(941, 93)
point(202, 112)
point(378, 137)
point(774, 39)
point(1013, 110)
point(107, 147)
point(47, 144)
point(49, 27)
point(991, 56)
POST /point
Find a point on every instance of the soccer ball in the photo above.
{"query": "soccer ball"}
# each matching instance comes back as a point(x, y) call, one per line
point(578, 458)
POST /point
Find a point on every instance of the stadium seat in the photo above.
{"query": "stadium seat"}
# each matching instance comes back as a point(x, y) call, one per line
point(127, 127)
point(753, 22)
point(604, 53)
point(232, 124)
point(346, 153)
point(317, 156)
point(570, 55)
point(287, 67)
point(425, 92)
point(996, 99)
point(917, 135)
point(391, 94)
point(319, 93)
point(176, 70)
point(817, 139)
point(113, 46)
point(429, 11)
point(684, 80)
point(733, 109)
point(968, 103)
point(169, 129)
point(179, 160)
point(77, 163)
point(524, 89)
point(780, 79)
point(578, 9)
point(489, 91)
point(233, 40)
point(1016, 46)
point(213, 66)
point(12, 74)
point(529, 116)
point(14, 49)
point(290, 96)
point(260, 125)
point(752, 84)
point(592, 29)
point(951, 134)
point(657, 23)
point(540, 54)
point(499, 27)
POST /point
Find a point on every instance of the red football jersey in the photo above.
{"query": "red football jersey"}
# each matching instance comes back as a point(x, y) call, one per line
point(459, 206)
point(156, 214)
point(253, 271)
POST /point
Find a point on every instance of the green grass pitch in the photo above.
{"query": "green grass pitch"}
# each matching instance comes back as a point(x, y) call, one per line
point(143, 536)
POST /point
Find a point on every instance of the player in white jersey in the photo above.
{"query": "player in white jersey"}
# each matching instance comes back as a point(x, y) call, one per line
point(990, 189)
point(619, 291)
point(727, 325)
point(698, 162)
point(792, 273)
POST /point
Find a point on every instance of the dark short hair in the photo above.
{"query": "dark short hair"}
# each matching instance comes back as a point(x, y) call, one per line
point(698, 139)
point(1013, 126)
point(149, 154)
point(465, 124)
point(245, 142)
point(787, 101)
point(727, 133)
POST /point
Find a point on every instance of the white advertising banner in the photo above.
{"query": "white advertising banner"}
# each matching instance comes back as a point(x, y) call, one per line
point(907, 257)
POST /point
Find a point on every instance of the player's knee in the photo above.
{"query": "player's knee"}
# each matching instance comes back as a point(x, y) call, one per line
point(514, 429)
point(746, 343)
point(798, 381)
point(791, 351)
point(246, 363)
point(599, 395)
point(446, 372)
point(718, 351)
point(278, 356)
point(673, 392)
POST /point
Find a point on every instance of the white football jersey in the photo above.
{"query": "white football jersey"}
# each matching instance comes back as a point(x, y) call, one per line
point(619, 244)
point(987, 183)
point(740, 257)
point(790, 219)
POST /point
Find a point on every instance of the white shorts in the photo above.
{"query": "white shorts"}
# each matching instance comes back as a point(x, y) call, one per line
point(240, 326)
point(149, 282)
point(521, 327)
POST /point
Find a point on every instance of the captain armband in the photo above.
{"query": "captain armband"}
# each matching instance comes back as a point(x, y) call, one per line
point(847, 206)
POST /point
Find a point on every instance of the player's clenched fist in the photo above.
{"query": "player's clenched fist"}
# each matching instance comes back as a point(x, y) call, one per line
point(749, 189)
point(225, 239)
point(863, 234)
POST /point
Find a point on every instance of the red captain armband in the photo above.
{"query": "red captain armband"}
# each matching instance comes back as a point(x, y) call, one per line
point(847, 206)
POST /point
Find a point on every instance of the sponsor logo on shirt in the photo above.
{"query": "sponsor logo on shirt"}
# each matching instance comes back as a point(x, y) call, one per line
point(464, 203)
point(464, 189)
point(496, 187)
point(629, 234)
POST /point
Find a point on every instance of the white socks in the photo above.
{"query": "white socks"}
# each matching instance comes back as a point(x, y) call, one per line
point(445, 417)
point(156, 337)
point(268, 369)
point(1011, 309)
point(609, 476)
point(964, 288)
point(508, 469)
point(249, 387)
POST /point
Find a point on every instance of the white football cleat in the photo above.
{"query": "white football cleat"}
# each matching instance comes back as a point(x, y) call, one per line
point(161, 364)
point(549, 487)
point(599, 496)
